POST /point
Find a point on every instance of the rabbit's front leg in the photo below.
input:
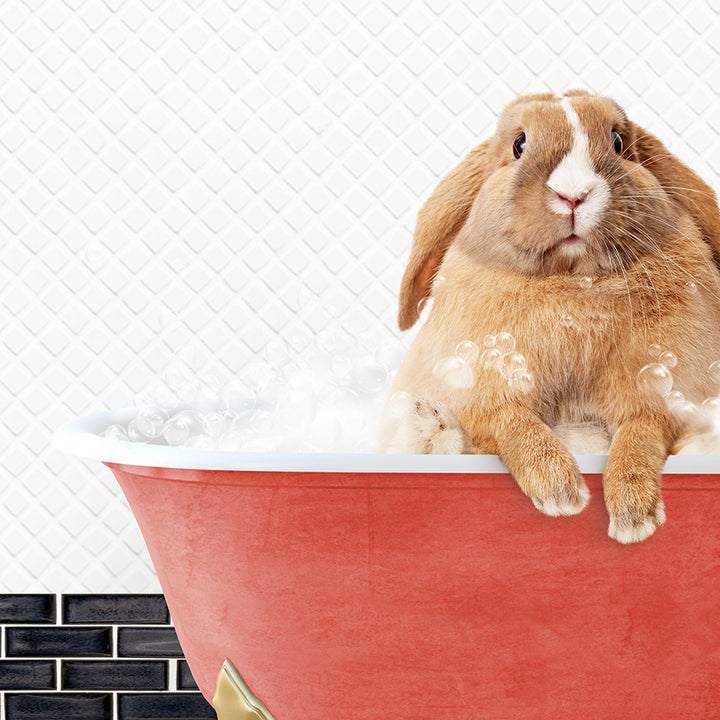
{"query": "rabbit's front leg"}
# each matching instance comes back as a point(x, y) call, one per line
point(541, 465)
point(631, 481)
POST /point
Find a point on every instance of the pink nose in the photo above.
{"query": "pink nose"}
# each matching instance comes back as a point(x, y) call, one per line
point(573, 202)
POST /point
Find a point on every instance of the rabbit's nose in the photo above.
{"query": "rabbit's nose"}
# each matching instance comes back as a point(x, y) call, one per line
point(573, 202)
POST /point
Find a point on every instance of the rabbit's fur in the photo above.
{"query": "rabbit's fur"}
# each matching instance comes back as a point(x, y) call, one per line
point(568, 188)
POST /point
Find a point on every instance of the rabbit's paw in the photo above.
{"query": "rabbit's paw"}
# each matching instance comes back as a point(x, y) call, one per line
point(429, 427)
point(630, 527)
point(566, 499)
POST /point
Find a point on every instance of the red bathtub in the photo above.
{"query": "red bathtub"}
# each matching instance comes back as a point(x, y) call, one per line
point(360, 587)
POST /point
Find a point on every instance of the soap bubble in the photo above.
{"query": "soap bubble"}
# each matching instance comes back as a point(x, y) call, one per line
point(710, 409)
point(116, 432)
point(505, 343)
point(181, 427)
point(454, 371)
point(714, 370)
point(216, 423)
point(424, 307)
point(329, 342)
point(180, 378)
point(341, 365)
point(369, 376)
point(207, 396)
point(654, 350)
point(586, 283)
point(368, 340)
point(522, 381)
point(162, 395)
point(277, 354)
point(690, 288)
point(136, 434)
point(655, 379)
point(299, 342)
point(511, 362)
point(468, 351)
point(668, 359)
point(262, 421)
point(490, 341)
point(491, 358)
point(566, 320)
point(675, 399)
point(390, 354)
point(237, 395)
point(259, 376)
point(399, 403)
point(150, 421)
point(679, 406)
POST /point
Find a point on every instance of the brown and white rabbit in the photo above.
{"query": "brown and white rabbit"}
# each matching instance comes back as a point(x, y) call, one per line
point(579, 235)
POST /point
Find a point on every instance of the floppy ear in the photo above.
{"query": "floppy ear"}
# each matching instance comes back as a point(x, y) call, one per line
point(439, 221)
point(682, 184)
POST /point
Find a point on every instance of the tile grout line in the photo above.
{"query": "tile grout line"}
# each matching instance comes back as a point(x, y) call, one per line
point(115, 696)
point(59, 602)
point(2, 655)
point(172, 675)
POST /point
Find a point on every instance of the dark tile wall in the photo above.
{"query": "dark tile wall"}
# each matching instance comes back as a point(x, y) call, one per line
point(93, 657)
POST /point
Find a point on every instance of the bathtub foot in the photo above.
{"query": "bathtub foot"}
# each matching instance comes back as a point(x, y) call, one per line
point(233, 699)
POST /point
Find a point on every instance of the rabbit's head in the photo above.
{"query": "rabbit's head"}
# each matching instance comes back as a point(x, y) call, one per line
point(565, 185)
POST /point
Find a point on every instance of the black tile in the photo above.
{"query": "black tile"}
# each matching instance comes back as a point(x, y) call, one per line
point(58, 706)
point(58, 642)
point(115, 609)
point(170, 706)
point(185, 680)
point(148, 642)
point(27, 675)
point(114, 675)
point(27, 609)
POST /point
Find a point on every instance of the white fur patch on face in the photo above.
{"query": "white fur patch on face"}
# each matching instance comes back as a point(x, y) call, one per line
point(576, 180)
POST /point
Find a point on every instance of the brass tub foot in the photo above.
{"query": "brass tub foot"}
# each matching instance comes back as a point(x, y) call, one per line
point(233, 699)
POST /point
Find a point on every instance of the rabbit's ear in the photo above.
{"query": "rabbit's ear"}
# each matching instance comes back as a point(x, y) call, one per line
point(682, 184)
point(439, 221)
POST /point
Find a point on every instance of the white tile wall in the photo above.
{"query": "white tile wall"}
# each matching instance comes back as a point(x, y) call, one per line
point(186, 171)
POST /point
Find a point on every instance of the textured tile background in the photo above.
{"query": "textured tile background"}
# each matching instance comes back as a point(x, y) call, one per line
point(187, 171)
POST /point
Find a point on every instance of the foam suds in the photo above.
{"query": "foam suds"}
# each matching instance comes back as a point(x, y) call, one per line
point(326, 398)
point(330, 396)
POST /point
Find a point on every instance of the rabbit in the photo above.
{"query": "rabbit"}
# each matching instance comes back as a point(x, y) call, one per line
point(575, 235)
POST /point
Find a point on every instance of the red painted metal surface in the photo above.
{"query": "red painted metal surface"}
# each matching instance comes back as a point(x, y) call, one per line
point(359, 597)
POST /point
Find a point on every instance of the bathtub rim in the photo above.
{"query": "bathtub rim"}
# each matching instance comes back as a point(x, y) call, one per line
point(81, 437)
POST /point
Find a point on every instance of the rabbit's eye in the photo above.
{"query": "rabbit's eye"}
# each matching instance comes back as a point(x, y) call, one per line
point(617, 142)
point(519, 145)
